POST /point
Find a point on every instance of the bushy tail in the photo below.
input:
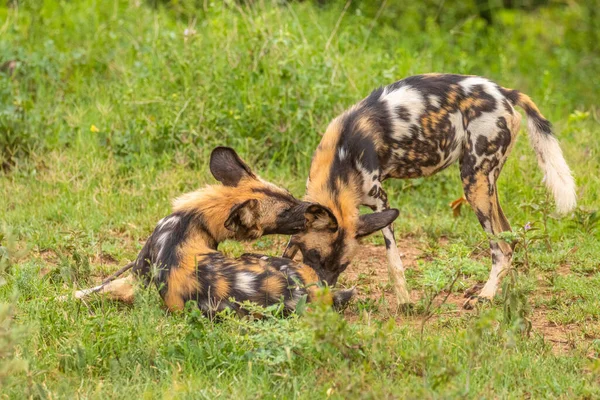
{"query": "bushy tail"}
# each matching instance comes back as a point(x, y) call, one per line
point(557, 174)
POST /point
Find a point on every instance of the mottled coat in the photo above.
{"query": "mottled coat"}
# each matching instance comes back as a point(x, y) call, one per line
point(181, 256)
point(413, 128)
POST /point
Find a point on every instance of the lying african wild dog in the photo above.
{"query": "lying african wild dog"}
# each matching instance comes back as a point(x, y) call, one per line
point(413, 128)
point(181, 255)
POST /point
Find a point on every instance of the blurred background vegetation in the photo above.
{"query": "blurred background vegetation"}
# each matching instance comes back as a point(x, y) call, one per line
point(165, 81)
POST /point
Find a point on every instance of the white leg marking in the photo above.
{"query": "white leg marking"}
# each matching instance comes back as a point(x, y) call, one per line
point(119, 289)
point(396, 268)
point(496, 274)
point(80, 294)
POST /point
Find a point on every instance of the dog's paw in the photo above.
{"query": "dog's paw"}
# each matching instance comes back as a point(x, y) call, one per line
point(473, 290)
point(473, 301)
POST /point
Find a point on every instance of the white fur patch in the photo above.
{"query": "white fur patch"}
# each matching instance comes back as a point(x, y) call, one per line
point(244, 283)
point(489, 86)
point(557, 174)
point(491, 286)
point(368, 183)
point(342, 153)
point(485, 125)
point(487, 226)
point(409, 98)
point(434, 100)
point(160, 243)
point(162, 238)
point(456, 121)
point(168, 222)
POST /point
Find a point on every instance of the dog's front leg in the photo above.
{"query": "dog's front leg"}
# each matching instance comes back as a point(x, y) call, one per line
point(379, 202)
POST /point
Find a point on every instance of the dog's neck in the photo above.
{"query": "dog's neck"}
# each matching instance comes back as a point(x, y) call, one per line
point(210, 208)
point(335, 179)
point(197, 224)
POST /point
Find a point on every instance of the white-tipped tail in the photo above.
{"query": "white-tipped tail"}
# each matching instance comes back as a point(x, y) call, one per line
point(557, 174)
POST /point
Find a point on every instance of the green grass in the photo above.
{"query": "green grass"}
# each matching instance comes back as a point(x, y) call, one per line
point(112, 111)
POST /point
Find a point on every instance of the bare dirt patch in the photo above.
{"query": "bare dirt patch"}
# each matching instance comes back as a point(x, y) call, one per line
point(561, 337)
point(369, 274)
point(104, 259)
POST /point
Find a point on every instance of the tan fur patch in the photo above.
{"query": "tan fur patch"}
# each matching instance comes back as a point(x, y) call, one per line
point(273, 285)
point(308, 275)
point(256, 268)
point(344, 204)
point(215, 203)
point(526, 102)
point(173, 301)
point(120, 289)
point(182, 282)
point(323, 158)
point(452, 95)
point(221, 288)
point(479, 193)
point(514, 124)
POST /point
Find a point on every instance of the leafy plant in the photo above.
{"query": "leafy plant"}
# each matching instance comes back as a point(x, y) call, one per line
point(9, 252)
point(9, 338)
point(515, 296)
point(543, 206)
point(584, 221)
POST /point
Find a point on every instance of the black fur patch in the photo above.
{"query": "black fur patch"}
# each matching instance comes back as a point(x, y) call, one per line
point(403, 113)
point(388, 243)
point(286, 197)
point(161, 248)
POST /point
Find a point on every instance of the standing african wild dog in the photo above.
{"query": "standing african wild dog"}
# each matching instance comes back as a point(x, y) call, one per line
point(181, 255)
point(417, 127)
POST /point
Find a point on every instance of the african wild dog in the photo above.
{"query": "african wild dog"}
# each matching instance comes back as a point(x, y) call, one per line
point(181, 255)
point(413, 128)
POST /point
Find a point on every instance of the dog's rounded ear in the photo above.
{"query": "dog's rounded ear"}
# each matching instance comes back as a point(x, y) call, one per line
point(243, 217)
point(320, 218)
point(227, 167)
point(369, 223)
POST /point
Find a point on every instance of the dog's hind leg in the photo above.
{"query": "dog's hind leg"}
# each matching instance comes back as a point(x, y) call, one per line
point(122, 289)
point(479, 168)
point(493, 221)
